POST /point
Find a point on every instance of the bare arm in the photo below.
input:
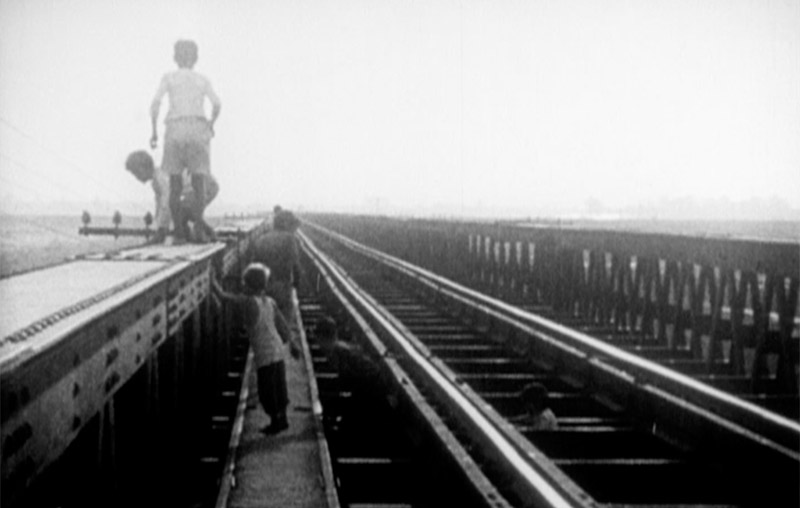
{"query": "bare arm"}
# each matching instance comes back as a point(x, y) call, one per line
point(280, 324)
point(155, 107)
point(161, 191)
point(221, 293)
point(154, 135)
point(216, 106)
point(247, 305)
point(215, 114)
point(285, 331)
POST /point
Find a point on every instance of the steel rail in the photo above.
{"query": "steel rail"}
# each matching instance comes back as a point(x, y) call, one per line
point(228, 479)
point(482, 485)
point(782, 433)
point(524, 466)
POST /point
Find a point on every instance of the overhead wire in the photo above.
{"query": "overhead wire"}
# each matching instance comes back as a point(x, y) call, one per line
point(70, 163)
point(43, 179)
point(108, 211)
point(82, 102)
point(75, 239)
point(18, 186)
point(36, 223)
point(40, 225)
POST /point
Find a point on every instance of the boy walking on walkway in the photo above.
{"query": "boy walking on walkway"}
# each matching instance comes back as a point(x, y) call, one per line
point(267, 332)
point(280, 251)
point(188, 132)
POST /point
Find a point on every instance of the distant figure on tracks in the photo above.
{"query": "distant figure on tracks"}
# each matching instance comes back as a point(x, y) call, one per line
point(354, 367)
point(267, 332)
point(357, 372)
point(188, 132)
point(280, 251)
point(538, 415)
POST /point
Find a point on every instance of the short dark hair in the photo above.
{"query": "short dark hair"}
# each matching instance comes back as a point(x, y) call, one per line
point(141, 164)
point(325, 328)
point(285, 221)
point(534, 394)
point(255, 277)
point(185, 53)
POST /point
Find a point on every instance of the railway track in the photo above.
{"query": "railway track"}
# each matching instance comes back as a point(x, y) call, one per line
point(380, 446)
point(674, 351)
point(712, 324)
point(628, 433)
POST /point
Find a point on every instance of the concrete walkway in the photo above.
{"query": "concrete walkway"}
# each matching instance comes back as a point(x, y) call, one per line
point(285, 469)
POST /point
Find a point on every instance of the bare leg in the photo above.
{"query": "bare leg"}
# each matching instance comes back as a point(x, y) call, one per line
point(203, 230)
point(175, 188)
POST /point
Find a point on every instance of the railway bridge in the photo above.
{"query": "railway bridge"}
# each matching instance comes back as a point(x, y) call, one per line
point(671, 363)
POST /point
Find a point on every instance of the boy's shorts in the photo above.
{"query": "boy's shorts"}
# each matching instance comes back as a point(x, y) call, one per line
point(186, 146)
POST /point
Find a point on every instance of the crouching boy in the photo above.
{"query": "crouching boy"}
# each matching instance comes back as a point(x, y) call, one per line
point(140, 164)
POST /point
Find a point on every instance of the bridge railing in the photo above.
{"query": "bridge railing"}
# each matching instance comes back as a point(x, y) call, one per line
point(732, 302)
point(662, 401)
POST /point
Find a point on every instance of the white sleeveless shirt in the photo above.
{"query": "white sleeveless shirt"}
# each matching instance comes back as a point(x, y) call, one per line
point(267, 345)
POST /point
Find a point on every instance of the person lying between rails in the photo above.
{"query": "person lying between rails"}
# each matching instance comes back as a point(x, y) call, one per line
point(268, 333)
point(351, 363)
point(537, 416)
point(358, 373)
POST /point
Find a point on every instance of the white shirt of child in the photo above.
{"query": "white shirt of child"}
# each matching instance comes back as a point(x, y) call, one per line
point(187, 91)
point(265, 340)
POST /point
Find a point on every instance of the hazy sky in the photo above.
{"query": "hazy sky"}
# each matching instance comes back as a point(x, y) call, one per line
point(426, 105)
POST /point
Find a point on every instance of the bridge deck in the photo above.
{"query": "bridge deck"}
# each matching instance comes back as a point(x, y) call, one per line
point(73, 334)
point(284, 469)
point(41, 306)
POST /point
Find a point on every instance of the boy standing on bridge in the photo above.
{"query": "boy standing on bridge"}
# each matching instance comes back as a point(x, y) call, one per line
point(267, 332)
point(188, 132)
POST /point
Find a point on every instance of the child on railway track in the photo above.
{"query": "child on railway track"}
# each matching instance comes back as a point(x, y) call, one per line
point(357, 375)
point(267, 332)
point(537, 416)
point(350, 362)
